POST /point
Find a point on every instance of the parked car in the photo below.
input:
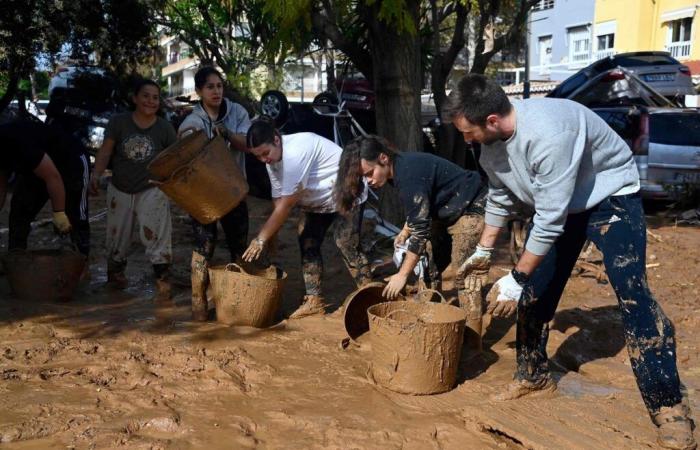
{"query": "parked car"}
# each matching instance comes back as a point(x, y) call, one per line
point(665, 143)
point(660, 70)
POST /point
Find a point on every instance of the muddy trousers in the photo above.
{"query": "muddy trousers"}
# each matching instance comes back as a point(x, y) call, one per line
point(148, 210)
point(235, 226)
point(617, 227)
point(30, 196)
point(312, 230)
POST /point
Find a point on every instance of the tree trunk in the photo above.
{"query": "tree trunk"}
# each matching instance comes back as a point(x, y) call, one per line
point(396, 65)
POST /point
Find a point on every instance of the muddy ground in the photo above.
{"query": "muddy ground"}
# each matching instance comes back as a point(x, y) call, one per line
point(112, 370)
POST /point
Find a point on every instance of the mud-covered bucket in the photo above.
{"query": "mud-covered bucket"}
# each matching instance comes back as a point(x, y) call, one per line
point(356, 305)
point(415, 346)
point(210, 185)
point(44, 275)
point(246, 296)
point(177, 155)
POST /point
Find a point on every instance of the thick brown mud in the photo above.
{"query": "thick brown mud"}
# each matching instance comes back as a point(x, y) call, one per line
point(112, 370)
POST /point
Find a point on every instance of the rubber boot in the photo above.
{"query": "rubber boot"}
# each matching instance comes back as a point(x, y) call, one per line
point(115, 274)
point(163, 292)
point(200, 281)
point(675, 428)
point(311, 305)
point(470, 302)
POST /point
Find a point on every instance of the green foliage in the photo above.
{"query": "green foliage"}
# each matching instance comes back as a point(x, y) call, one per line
point(395, 13)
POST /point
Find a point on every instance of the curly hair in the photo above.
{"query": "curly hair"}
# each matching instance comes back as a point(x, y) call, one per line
point(349, 185)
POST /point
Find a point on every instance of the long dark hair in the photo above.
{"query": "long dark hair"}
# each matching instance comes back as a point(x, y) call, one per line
point(349, 185)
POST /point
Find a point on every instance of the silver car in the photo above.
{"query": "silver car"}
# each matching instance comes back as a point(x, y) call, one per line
point(665, 143)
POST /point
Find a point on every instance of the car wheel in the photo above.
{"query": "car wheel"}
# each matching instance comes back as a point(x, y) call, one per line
point(274, 104)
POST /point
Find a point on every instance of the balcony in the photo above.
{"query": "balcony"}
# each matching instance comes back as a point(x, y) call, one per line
point(679, 49)
point(176, 91)
point(600, 54)
point(179, 65)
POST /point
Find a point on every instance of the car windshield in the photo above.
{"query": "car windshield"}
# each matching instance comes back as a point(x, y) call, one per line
point(664, 129)
point(644, 60)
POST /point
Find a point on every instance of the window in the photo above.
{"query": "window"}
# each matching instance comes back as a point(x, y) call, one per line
point(545, 51)
point(543, 4)
point(579, 45)
point(679, 37)
point(606, 42)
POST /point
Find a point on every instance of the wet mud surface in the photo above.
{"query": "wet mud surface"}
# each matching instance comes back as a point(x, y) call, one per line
point(112, 370)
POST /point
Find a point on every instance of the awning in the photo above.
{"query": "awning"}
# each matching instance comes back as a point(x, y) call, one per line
point(678, 14)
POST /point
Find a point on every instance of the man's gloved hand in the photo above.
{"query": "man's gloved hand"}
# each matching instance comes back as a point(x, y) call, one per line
point(475, 268)
point(222, 131)
point(61, 222)
point(504, 296)
point(255, 250)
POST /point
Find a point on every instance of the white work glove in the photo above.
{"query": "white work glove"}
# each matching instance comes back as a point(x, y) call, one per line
point(61, 223)
point(475, 269)
point(504, 296)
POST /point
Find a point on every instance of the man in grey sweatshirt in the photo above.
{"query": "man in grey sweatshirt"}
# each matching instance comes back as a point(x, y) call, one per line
point(562, 163)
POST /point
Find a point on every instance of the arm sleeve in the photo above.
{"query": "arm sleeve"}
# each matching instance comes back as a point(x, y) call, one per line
point(30, 158)
point(416, 200)
point(555, 163)
point(242, 120)
point(192, 121)
point(112, 130)
point(500, 204)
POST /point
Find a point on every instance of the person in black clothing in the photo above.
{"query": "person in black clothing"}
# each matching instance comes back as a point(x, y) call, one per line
point(49, 164)
point(441, 201)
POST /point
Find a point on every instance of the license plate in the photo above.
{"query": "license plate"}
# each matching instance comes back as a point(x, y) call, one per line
point(659, 77)
point(687, 177)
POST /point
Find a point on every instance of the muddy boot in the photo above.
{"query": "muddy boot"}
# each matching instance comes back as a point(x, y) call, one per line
point(200, 281)
point(117, 280)
point(310, 306)
point(470, 302)
point(675, 428)
point(163, 288)
point(521, 388)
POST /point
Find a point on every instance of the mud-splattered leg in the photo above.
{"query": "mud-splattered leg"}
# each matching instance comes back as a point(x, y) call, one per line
point(465, 235)
point(312, 230)
point(347, 239)
point(204, 246)
point(618, 229)
point(235, 226)
point(29, 197)
point(120, 223)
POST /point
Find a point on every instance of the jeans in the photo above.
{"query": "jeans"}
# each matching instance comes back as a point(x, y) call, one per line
point(617, 227)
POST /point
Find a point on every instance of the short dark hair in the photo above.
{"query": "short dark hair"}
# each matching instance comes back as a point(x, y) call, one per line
point(475, 97)
point(262, 131)
point(143, 82)
point(349, 185)
point(200, 78)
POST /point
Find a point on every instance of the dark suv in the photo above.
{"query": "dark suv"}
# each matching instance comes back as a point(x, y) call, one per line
point(659, 70)
point(665, 143)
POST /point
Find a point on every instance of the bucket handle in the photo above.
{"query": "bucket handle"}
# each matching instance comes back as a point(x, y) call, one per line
point(432, 292)
point(388, 316)
point(178, 170)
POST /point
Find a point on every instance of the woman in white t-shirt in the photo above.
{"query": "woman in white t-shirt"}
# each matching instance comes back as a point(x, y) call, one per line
point(303, 168)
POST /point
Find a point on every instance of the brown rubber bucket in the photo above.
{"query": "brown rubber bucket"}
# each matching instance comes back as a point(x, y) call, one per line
point(246, 296)
point(210, 185)
point(415, 346)
point(177, 155)
point(44, 275)
point(356, 304)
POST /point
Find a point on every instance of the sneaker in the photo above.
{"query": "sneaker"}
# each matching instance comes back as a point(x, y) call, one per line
point(675, 428)
point(311, 305)
point(117, 280)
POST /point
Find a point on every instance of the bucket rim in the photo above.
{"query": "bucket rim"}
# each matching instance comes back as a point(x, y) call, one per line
point(428, 305)
point(223, 267)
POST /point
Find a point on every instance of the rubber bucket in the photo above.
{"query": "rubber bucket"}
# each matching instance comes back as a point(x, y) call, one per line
point(415, 346)
point(44, 275)
point(356, 305)
point(177, 155)
point(210, 185)
point(246, 297)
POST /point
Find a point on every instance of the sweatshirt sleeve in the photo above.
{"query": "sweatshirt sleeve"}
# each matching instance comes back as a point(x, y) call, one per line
point(416, 201)
point(500, 204)
point(555, 163)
